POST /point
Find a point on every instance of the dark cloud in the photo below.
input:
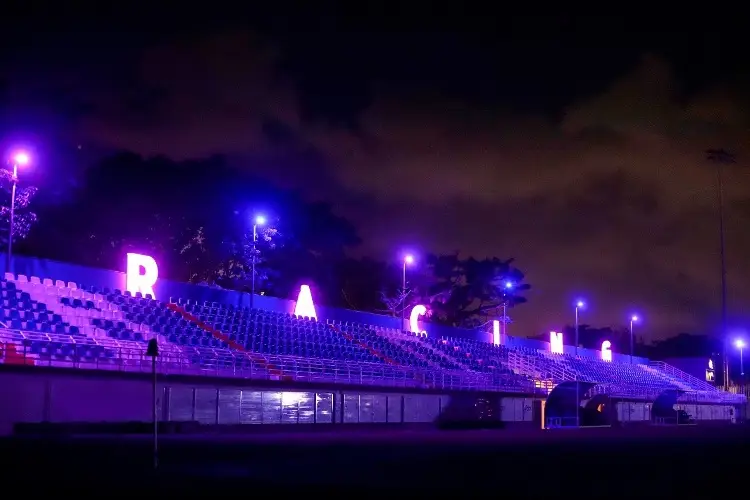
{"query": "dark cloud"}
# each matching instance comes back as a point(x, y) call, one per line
point(613, 199)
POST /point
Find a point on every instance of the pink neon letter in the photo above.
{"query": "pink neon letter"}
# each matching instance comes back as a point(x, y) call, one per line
point(135, 281)
point(304, 306)
point(419, 310)
point(496, 332)
point(606, 350)
point(556, 342)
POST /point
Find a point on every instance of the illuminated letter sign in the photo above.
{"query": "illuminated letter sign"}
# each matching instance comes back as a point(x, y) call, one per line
point(606, 350)
point(556, 342)
point(304, 306)
point(710, 377)
point(419, 310)
point(137, 281)
point(496, 332)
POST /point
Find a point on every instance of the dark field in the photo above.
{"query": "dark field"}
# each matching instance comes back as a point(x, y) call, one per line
point(646, 462)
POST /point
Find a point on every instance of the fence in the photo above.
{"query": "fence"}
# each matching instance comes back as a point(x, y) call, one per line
point(65, 351)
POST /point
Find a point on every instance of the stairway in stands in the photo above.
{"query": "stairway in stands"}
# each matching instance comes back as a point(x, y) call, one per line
point(667, 378)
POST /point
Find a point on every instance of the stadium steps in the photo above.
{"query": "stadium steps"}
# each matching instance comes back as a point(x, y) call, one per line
point(668, 378)
point(393, 338)
point(256, 358)
point(418, 377)
point(363, 345)
point(451, 359)
point(676, 373)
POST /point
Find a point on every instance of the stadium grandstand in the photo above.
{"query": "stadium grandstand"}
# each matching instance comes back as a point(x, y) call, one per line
point(73, 346)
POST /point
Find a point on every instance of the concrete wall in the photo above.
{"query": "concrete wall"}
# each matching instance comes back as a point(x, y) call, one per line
point(164, 289)
point(54, 395)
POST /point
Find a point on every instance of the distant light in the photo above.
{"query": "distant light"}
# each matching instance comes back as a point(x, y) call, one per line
point(509, 284)
point(260, 220)
point(21, 158)
point(409, 259)
point(580, 304)
point(739, 343)
point(634, 318)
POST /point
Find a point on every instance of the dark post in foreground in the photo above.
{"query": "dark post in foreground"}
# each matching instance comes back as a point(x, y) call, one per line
point(152, 351)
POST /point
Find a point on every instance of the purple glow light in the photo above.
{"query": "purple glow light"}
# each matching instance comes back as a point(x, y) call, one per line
point(739, 343)
point(419, 310)
point(556, 342)
point(135, 281)
point(409, 259)
point(21, 158)
point(304, 307)
point(634, 318)
point(606, 350)
point(508, 285)
point(580, 304)
point(260, 220)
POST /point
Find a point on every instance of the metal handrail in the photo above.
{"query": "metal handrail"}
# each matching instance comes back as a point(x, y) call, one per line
point(131, 356)
point(179, 359)
point(681, 375)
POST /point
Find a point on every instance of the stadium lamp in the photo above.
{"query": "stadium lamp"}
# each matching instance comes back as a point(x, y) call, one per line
point(408, 259)
point(259, 221)
point(741, 346)
point(508, 285)
point(580, 304)
point(21, 158)
point(633, 319)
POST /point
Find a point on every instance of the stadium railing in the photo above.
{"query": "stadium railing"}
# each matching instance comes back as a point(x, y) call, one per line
point(682, 376)
point(130, 356)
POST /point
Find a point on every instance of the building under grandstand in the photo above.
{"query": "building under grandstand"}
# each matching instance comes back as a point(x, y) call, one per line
point(73, 349)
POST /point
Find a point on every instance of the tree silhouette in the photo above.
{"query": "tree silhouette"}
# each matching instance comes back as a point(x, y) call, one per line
point(23, 217)
point(469, 292)
point(195, 218)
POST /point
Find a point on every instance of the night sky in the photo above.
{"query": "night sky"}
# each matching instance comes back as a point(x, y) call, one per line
point(574, 144)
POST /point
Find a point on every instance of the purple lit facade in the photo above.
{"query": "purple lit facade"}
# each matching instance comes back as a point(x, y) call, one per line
point(82, 319)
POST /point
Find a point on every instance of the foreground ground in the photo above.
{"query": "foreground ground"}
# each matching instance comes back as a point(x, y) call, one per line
point(648, 462)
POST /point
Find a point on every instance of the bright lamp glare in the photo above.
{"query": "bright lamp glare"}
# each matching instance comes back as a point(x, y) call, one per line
point(21, 158)
point(739, 343)
point(260, 220)
point(409, 259)
point(580, 304)
point(508, 284)
point(634, 318)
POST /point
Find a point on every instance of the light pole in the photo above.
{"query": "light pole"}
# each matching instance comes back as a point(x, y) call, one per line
point(721, 157)
point(408, 260)
point(259, 221)
point(579, 305)
point(633, 319)
point(508, 286)
point(22, 159)
point(740, 344)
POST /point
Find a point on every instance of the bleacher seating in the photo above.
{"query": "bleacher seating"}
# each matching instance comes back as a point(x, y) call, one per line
point(67, 324)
